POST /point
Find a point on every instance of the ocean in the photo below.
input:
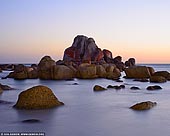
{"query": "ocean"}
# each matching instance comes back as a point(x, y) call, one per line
point(89, 113)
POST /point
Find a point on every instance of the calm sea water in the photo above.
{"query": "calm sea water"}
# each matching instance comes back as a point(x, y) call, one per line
point(88, 113)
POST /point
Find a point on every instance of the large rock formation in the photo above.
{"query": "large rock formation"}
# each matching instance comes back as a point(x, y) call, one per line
point(89, 71)
point(84, 59)
point(83, 49)
point(37, 97)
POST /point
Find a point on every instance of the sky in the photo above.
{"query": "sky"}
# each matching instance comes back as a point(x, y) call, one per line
point(31, 29)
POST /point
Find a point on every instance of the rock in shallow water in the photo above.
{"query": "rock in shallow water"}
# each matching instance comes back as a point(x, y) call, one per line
point(135, 88)
point(98, 88)
point(31, 121)
point(164, 74)
point(117, 87)
point(157, 79)
point(143, 105)
point(5, 87)
point(37, 97)
point(5, 102)
point(138, 72)
point(155, 87)
point(1, 91)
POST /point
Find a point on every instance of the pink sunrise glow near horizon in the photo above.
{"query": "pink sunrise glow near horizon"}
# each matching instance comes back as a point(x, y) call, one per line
point(31, 29)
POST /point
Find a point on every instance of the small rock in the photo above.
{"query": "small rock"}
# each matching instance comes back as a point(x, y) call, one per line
point(3, 77)
point(135, 88)
point(155, 87)
point(31, 121)
point(5, 87)
point(119, 80)
point(5, 102)
point(1, 91)
point(168, 78)
point(114, 87)
point(122, 86)
point(71, 79)
point(143, 105)
point(117, 87)
point(99, 88)
point(110, 86)
point(75, 84)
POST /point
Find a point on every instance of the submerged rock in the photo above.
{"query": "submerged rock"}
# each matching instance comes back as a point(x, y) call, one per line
point(37, 97)
point(143, 105)
point(1, 91)
point(75, 84)
point(119, 80)
point(31, 121)
point(122, 86)
point(5, 102)
point(135, 88)
point(110, 86)
point(155, 87)
point(98, 88)
point(5, 87)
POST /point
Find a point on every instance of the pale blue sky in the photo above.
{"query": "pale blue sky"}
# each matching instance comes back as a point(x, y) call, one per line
point(30, 29)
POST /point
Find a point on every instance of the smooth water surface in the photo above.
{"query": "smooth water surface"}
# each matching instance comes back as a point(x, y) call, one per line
point(88, 113)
